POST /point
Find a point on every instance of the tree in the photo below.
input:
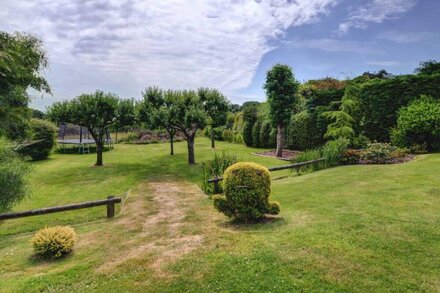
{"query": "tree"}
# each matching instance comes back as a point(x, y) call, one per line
point(216, 107)
point(126, 115)
point(281, 90)
point(250, 115)
point(22, 61)
point(187, 115)
point(96, 111)
point(13, 179)
point(154, 111)
point(428, 67)
point(343, 125)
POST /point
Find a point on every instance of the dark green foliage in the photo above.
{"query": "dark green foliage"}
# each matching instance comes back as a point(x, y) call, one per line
point(419, 125)
point(246, 193)
point(215, 168)
point(38, 114)
point(266, 138)
point(378, 153)
point(299, 132)
point(22, 61)
point(218, 132)
point(428, 67)
point(382, 99)
point(256, 129)
point(43, 135)
point(250, 112)
point(13, 176)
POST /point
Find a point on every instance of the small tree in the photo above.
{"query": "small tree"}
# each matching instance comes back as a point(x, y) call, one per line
point(187, 115)
point(126, 116)
point(343, 124)
point(95, 111)
point(281, 88)
point(216, 107)
point(22, 62)
point(43, 135)
point(156, 112)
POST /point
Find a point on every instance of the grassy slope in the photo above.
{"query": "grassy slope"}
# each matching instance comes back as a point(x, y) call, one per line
point(353, 228)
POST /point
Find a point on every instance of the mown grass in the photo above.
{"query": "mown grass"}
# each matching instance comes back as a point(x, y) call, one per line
point(344, 229)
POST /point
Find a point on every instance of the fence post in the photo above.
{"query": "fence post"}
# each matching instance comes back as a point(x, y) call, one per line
point(216, 187)
point(110, 207)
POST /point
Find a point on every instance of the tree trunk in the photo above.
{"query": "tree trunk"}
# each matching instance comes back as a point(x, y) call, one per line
point(191, 158)
point(172, 143)
point(98, 154)
point(212, 138)
point(280, 140)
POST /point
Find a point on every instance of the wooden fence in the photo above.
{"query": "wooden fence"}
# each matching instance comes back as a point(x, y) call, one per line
point(109, 202)
point(296, 166)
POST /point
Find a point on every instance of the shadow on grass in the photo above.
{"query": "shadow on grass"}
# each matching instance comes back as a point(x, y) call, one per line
point(266, 223)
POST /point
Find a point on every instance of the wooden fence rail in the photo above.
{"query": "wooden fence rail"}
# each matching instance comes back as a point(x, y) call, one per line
point(109, 202)
point(296, 166)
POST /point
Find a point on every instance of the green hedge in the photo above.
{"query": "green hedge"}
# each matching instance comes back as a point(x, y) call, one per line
point(381, 100)
point(44, 133)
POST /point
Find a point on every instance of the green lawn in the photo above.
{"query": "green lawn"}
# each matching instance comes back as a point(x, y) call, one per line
point(351, 228)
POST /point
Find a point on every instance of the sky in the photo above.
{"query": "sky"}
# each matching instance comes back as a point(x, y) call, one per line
point(123, 46)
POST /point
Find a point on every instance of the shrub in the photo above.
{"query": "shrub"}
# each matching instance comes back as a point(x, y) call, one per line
point(54, 242)
point(13, 176)
point(247, 133)
point(419, 124)
point(351, 156)
point(246, 193)
point(44, 134)
point(378, 153)
point(256, 134)
point(215, 168)
point(333, 151)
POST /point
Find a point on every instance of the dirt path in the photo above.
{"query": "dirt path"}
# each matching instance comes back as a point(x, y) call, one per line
point(164, 221)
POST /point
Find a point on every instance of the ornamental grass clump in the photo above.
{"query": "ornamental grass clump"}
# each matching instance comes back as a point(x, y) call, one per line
point(215, 168)
point(54, 242)
point(246, 193)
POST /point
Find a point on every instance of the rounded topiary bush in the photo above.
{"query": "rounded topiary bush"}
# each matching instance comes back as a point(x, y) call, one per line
point(54, 242)
point(44, 134)
point(246, 193)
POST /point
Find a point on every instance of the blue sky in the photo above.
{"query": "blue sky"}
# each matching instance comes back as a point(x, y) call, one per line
point(124, 46)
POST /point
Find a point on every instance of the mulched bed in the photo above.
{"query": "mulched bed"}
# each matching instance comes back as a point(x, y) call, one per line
point(287, 154)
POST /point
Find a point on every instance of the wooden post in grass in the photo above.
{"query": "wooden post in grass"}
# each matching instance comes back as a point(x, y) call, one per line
point(216, 187)
point(110, 208)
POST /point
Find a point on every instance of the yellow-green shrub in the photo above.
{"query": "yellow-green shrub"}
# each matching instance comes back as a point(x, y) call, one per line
point(246, 192)
point(54, 242)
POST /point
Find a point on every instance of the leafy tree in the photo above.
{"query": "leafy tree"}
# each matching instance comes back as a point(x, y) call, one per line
point(428, 67)
point(187, 115)
point(43, 135)
point(13, 175)
point(343, 119)
point(216, 107)
point(96, 111)
point(126, 116)
point(281, 90)
point(22, 61)
point(154, 111)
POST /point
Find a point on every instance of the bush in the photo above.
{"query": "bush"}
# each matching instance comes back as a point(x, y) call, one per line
point(232, 136)
point(44, 133)
point(247, 133)
point(54, 242)
point(378, 153)
point(256, 134)
point(247, 190)
point(215, 168)
point(351, 156)
point(13, 176)
point(419, 124)
point(382, 99)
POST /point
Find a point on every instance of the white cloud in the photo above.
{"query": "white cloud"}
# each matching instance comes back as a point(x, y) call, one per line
point(408, 37)
point(173, 43)
point(376, 11)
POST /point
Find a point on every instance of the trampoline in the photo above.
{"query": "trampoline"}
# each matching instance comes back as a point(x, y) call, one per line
point(81, 138)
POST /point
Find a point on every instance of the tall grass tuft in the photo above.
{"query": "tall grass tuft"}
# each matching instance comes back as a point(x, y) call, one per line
point(215, 168)
point(332, 153)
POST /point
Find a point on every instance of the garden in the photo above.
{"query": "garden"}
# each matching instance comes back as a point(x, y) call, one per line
point(328, 185)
